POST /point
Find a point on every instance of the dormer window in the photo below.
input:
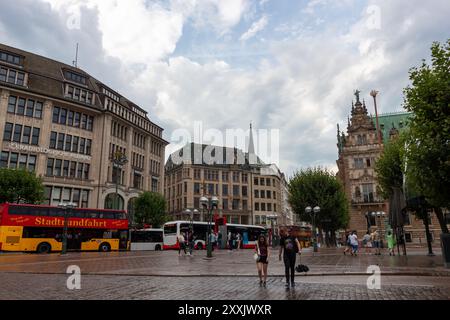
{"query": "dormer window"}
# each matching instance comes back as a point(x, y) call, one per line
point(10, 58)
point(75, 77)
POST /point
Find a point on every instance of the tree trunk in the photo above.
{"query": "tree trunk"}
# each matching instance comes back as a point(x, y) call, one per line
point(440, 217)
point(427, 233)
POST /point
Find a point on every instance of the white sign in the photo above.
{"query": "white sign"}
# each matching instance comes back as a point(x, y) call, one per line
point(37, 149)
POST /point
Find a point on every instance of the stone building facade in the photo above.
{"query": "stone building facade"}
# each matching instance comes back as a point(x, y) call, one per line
point(57, 120)
point(248, 193)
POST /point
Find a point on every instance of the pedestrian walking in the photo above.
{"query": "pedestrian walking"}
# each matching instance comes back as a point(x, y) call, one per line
point(230, 241)
point(238, 240)
point(391, 242)
point(181, 244)
point(262, 253)
point(191, 242)
point(367, 243)
point(348, 245)
point(289, 247)
point(354, 243)
point(376, 242)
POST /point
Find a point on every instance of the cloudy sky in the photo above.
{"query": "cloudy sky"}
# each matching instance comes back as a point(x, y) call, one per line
point(290, 65)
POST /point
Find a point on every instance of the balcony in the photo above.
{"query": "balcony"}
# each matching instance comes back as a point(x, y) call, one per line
point(367, 199)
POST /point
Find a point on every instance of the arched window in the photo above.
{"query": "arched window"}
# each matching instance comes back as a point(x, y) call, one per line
point(113, 202)
point(357, 192)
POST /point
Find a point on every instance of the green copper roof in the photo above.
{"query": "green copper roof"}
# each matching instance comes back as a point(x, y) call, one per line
point(386, 120)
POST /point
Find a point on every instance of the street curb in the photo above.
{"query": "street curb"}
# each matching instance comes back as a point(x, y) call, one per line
point(418, 274)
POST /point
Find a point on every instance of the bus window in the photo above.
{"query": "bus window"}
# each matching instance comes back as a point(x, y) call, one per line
point(170, 229)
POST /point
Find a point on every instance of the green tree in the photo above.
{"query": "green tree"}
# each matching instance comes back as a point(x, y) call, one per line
point(389, 167)
point(319, 187)
point(20, 186)
point(428, 151)
point(150, 208)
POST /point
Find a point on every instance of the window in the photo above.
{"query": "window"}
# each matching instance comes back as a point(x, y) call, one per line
point(224, 189)
point(4, 159)
point(196, 188)
point(83, 121)
point(52, 140)
point(66, 168)
point(263, 206)
point(263, 219)
point(3, 73)
point(76, 119)
point(368, 192)
point(244, 191)
point(235, 204)
point(26, 135)
point(154, 185)
point(358, 163)
point(12, 104)
point(267, 182)
point(70, 118)
point(71, 76)
point(12, 76)
point(256, 193)
point(236, 190)
point(73, 168)
point(262, 194)
point(90, 123)
point(56, 111)
point(75, 144)
point(225, 204)
point(17, 132)
point(35, 136)
point(256, 206)
point(274, 195)
point(10, 58)
point(8, 131)
point(20, 78)
point(57, 170)
point(38, 110)
point(368, 163)
point(63, 116)
point(68, 142)
point(60, 145)
point(13, 160)
point(86, 171)
point(82, 145)
point(21, 106)
point(80, 171)
point(88, 147)
point(32, 162)
point(225, 176)
point(257, 220)
point(268, 194)
point(30, 108)
point(269, 207)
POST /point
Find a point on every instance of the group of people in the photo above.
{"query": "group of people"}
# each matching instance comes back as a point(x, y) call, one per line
point(289, 248)
point(371, 242)
point(187, 241)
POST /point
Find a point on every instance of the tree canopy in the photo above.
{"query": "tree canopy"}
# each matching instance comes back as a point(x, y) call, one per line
point(319, 187)
point(428, 146)
point(150, 208)
point(20, 186)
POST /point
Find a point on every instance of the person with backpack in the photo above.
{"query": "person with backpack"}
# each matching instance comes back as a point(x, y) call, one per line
point(391, 243)
point(289, 247)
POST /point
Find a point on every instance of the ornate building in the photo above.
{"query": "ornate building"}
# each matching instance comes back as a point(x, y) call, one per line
point(358, 151)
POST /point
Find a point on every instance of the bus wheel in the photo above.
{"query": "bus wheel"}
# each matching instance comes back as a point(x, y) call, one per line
point(44, 247)
point(200, 246)
point(157, 247)
point(104, 247)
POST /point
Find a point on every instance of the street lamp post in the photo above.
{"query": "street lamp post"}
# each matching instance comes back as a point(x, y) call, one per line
point(209, 205)
point(66, 207)
point(118, 162)
point(272, 218)
point(313, 212)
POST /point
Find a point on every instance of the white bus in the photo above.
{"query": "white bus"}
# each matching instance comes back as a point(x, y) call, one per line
point(147, 239)
point(173, 229)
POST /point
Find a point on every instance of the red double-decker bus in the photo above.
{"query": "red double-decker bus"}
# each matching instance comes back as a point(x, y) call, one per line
point(37, 228)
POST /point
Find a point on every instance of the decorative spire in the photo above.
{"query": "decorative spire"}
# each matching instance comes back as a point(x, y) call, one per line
point(251, 146)
point(357, 92)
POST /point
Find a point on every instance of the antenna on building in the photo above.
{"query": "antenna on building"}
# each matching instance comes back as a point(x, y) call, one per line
point(75, 62)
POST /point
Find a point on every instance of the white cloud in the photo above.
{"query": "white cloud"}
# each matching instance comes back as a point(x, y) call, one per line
point(256, 27)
